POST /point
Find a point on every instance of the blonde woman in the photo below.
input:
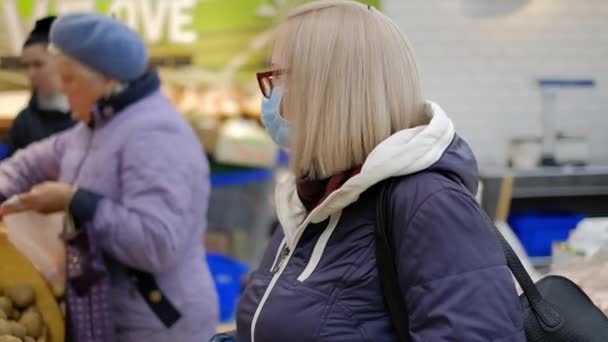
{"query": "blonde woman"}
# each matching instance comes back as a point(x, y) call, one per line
point(344, 96)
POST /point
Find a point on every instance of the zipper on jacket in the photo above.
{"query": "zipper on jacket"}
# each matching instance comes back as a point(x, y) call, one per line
point(282, 259)
point(283, 253)
point(277, 255)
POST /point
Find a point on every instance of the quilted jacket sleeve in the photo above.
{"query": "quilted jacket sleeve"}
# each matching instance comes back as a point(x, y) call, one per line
point(453, 274)
point(35, 164)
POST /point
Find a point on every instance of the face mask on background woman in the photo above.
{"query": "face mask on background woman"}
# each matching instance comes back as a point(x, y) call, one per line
point(274, 122)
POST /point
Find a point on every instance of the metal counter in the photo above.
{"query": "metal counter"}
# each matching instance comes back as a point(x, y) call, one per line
point(581, 190)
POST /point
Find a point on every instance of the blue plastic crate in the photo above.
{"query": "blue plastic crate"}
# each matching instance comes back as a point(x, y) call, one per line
point(538, 231)
point(227, 275)
point(3, 150)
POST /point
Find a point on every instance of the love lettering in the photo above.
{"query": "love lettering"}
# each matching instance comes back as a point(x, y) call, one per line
point(160, 20)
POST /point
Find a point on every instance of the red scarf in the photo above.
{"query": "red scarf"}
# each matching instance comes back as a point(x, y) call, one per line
point(314, 192)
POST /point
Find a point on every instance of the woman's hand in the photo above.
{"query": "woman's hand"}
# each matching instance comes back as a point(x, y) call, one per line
point(45, 198)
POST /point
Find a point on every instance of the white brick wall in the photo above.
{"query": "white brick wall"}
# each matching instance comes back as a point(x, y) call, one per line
point(483, 70)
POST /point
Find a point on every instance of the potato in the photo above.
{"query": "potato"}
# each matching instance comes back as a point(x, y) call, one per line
point(5, 327)
point(7, 338)
point(28, 339)
point(58, 291)
point(22, 296)
point(17, 329)
point(15, 315)
point(31, 309)
point(32, 322)
point(3, 315)
point(43, 337)
point(6, 305)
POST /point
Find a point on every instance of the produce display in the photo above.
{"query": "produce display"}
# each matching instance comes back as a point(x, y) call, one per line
point(20, 319)
point(29, 310)
point(226, 119)
point(216, 101)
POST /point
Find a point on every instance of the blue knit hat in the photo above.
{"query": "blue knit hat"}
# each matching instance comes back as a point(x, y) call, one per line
point(102, 43)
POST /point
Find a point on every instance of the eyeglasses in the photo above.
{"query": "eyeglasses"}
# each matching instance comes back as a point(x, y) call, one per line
point(267, 82)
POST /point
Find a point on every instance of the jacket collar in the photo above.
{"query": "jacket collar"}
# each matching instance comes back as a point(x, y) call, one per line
point(107, 108)
point(313, 192)
point(405, 152)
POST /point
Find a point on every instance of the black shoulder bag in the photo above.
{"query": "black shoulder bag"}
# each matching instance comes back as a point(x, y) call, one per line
point(555, 309)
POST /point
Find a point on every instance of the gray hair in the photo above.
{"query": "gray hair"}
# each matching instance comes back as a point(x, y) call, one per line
point(118, 86)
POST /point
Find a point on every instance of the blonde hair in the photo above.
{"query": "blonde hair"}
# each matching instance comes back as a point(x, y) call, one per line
point(351, 83)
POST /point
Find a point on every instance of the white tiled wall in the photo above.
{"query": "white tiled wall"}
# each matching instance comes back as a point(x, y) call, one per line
point(483, 70)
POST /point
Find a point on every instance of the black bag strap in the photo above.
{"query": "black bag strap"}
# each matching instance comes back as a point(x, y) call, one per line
point(385, 258)
point(387, 267)
point(544, 311)
point(229, 336)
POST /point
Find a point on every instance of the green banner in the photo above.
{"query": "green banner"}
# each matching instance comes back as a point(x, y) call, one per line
point(228, 35)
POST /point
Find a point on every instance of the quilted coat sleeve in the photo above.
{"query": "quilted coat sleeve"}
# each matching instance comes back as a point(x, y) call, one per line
point(453, 274)
point(35, 164)
point(161, 184)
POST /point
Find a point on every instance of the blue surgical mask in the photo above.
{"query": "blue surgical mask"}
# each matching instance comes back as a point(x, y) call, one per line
point(275, 124)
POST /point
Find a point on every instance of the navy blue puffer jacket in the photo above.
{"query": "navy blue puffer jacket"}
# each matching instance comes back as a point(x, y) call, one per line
point(319, 282)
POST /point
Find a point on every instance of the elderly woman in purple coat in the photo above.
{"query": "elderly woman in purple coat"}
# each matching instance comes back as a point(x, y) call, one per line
point(132, 174)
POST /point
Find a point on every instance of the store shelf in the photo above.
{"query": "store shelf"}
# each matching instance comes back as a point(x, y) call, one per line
point(560, 191)
point(240, 209)
point(541, 262)
point(245, 177)
point(570, 189)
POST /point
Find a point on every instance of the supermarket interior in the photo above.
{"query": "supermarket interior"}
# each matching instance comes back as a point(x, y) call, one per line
point(153, 188)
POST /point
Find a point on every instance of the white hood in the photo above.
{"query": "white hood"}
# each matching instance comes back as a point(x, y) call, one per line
point(405, 152)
